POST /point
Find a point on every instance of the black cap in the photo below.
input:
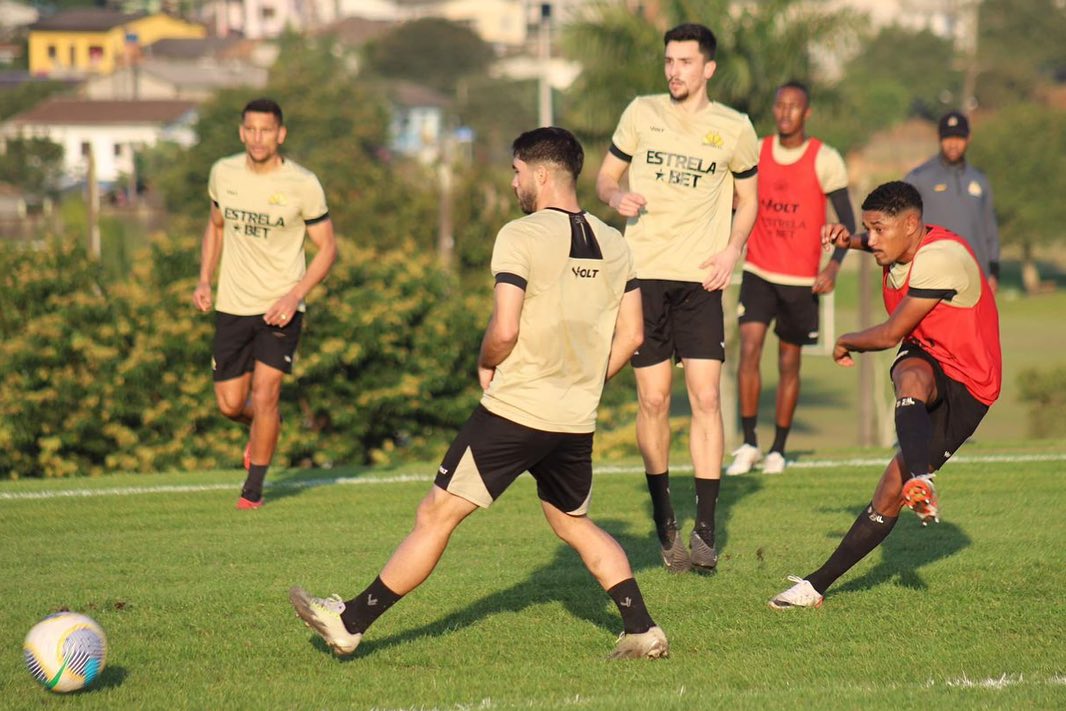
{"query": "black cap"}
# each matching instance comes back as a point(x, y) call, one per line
point(954, 123)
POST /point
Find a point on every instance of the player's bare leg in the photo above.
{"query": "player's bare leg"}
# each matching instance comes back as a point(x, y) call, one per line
point(653, 438)
point(749, 386)
point(232, 398)
point(789, 357)
point(706, 444)
point(607, 562)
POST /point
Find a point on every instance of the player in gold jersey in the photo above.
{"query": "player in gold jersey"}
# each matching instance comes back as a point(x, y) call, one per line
point(686, 157)
point(262, 208)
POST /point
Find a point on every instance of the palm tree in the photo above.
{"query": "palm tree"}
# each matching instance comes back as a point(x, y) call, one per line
point(760, 46)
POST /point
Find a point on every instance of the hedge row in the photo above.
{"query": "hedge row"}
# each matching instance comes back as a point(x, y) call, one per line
point(100, 377)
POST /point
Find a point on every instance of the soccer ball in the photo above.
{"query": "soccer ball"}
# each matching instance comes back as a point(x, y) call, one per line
point(65, 651)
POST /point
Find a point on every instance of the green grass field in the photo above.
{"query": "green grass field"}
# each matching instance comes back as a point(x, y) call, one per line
point(192, 594)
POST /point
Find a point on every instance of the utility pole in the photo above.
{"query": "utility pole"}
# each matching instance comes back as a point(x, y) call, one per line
point(970, 20)
point(867, 412)
point(544, 89)
point(445, 215)
point(93, 206)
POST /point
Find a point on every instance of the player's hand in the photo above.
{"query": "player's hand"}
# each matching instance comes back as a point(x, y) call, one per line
point(283, 311)
point(628, 204)
point(826, 280)
point(993, 284)
point(835, 234)
point(842, 355)
point(484, 376)
point(201, 298)
point(720, 268)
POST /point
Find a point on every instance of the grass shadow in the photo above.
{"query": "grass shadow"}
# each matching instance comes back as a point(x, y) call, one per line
point(565, 580)
point(906, 551)
point(284, 483)
point(111, 677)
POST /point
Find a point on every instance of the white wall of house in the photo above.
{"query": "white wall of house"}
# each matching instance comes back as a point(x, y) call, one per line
point(112, 145)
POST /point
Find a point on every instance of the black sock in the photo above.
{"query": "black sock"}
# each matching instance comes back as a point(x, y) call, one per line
point(361, 611)
point(869, 529)
point(253, 483)
point(748, 423)
point(706, 502)
point(914, 430)
point(635, 617)
point(662, 509)
point(780, 435)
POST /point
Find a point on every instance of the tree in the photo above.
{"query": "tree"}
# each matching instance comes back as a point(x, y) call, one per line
point(430, 51)
point(897, 73)
point(338, 128)
point(1020, 46)
point(1023, 151)
point(33, 164)
point(760, 46)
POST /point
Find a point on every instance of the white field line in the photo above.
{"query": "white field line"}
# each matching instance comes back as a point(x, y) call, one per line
point(405, 478)
point(992, 684)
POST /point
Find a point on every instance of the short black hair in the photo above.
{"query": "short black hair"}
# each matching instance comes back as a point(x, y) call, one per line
point(893, 198)
point(263, 106)
point(692, 32)
point(798, 86)
point(550, 144)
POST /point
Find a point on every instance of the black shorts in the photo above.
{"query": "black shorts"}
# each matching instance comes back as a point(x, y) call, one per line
point(491, 451)
point(681, 320)
point(955, 413)
point(794, 307)
point(242, 340)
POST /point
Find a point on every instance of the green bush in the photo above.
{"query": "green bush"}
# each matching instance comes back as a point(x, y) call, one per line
point(105, 377)
point(1045, 393)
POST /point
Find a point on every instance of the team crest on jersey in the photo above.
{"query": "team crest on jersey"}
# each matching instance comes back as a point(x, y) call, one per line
point(277, 199)
point(713, 138)
point(974, 188)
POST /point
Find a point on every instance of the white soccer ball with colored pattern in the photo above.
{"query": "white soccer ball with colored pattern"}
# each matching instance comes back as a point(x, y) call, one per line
point(65, 651)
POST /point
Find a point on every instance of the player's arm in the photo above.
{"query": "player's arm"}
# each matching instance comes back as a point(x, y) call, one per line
point(839, 236)
point(320, 232)
point(885, 335)
point(720, 266)
point(628, 330)
point(210, 250)
point(826, 279)
point(501, 335)
point(609, 186)
point(992, 238)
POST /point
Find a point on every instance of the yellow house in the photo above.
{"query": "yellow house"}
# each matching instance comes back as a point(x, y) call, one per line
point(81, 42)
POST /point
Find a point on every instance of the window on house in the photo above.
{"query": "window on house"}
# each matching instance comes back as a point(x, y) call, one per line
point(85, 148)
point(118, 150)
point(268, 13)
point(96, 54)
point(73, 55)
point(53, 51)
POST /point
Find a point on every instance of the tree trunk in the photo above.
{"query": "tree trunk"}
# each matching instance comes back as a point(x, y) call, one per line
point(1030, 274)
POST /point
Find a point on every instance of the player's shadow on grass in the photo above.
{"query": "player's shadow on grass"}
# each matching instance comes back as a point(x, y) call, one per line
point(566, 581)
point(563, 580)
point(908, 548)
point(283, 483)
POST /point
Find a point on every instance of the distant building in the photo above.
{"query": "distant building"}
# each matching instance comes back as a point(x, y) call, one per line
point(112, 130)
point(418, 120)
point(93, 41)
point(165, 79)
point(15, 14)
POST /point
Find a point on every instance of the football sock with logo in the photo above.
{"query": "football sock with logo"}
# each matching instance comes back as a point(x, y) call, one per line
point(706, 503)
point(635, 617)
point(253, 483)
point(748, 424)
point(869, 529)
point(914, 430)
point(780, 435)
point(361, 611)
point(662, 509)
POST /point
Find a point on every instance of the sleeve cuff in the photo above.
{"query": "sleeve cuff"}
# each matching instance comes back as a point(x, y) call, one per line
point(993, 270)
point(619, 153)
point(512, 279)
